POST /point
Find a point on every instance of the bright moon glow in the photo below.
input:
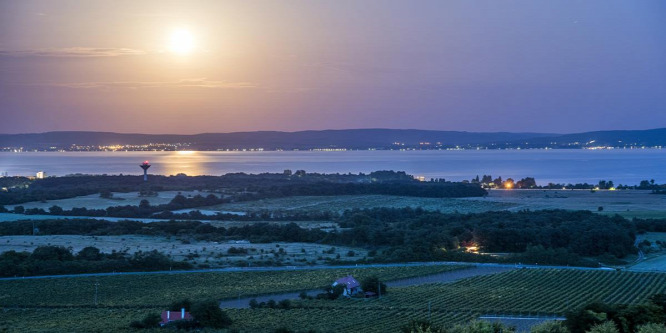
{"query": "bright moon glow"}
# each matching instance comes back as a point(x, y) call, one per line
point(181, 42)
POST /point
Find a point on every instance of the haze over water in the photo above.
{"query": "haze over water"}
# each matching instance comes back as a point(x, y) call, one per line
point(627, 167)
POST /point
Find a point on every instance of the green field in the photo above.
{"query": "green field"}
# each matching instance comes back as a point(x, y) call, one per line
point(344, 202)
point(523, 292)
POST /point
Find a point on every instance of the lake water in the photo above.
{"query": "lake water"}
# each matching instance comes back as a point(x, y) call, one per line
point(559, 166)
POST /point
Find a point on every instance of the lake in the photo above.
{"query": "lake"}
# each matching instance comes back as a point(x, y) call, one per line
point(623, 166)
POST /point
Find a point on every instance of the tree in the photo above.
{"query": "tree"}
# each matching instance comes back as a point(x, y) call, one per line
point(421, 326)
point(527, 182)
point(89, 253)
point(284, 304)
point(652, 328)
point(209, 314)
point(183, 303)
point(659, 300)
point(58, 253)
point(373, 284)
point(481, 327)
point(144, 204)
point(551, 326)
point(55, 210)
point(150, 321)
point(605, 327)
point(19, 210)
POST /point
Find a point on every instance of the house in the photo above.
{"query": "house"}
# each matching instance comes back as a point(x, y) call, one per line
point(352, 287)
point(171, 316)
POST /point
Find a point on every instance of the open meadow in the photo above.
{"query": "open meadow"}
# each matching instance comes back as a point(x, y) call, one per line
point(627, 203)
point(343, 202)
point(94, 201)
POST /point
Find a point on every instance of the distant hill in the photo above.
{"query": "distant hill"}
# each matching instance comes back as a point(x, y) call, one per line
point(618, 138)
point(331, 139)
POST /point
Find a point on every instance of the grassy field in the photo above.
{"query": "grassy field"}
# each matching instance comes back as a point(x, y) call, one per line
point(93, 201)
point(213, 254)
point(627, 203)
point(344, 202)
point(518, 292)
point(655, 264)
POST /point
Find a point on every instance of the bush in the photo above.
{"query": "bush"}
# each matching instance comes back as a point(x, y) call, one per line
point(178, 305)
point(606, 327)
point(552, 326)
point(652, 328)
point(482, 327)
point(150, 321)
point(419, 326)
point(284, 304)
point(209, 314)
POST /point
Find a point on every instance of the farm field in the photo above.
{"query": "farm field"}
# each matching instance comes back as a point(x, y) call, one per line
point(94, 201)
point(521, 291)
point(213, 254)
point(527, 292)
point(160, 290)
point(344, 202)
point(627, 203)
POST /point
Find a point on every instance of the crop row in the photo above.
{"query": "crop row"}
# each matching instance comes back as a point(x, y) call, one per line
point(337, 319)
point(162, 289)
point(518, 291)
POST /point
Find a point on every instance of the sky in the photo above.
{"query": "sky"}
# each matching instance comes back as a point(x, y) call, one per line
point(226, 66)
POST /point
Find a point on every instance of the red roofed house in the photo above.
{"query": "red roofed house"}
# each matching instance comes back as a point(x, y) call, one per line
point(352, 287)
point(169, 316)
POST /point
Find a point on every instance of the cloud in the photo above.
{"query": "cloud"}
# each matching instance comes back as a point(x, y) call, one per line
point(74, 52)
point(184, 83)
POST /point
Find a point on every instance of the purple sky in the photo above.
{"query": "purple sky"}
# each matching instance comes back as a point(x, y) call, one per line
point(546, 66)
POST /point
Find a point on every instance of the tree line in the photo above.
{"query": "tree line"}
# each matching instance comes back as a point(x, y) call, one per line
point(406, 234)
point(52, 260)
point(240, 185)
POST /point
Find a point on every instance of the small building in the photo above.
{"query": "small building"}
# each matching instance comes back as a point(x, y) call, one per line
point(171, 316)
point(41, 175)
point(352, 287)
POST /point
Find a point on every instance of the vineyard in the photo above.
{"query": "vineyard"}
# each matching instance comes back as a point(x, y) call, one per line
point(159, 290)
point(519, 292)
point(530, 292)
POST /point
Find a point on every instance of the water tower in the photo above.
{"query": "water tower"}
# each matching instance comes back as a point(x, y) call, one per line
point(145, 165)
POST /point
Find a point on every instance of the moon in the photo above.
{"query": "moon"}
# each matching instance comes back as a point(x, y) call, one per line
point(181, 42)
